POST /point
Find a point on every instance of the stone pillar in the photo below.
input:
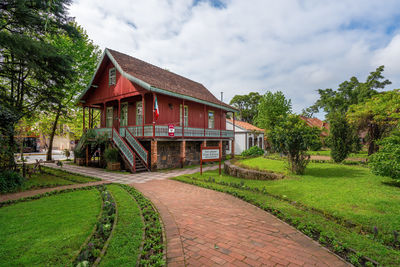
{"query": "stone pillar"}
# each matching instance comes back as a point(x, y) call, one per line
point(154, 155)
point(183, 153)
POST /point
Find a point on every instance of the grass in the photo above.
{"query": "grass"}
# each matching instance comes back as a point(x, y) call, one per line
point(124, 247)
point(361, 154)
point(52, 178)
point(48, 231)
point(346, 200)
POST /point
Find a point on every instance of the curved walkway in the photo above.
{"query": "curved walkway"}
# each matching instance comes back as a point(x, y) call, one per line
point(209, 228)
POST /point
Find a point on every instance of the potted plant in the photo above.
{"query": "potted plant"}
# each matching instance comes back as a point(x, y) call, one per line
point(111, 156)
point(79, 155)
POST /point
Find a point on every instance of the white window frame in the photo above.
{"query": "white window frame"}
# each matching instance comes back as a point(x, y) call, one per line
point(124, 114)
point(185, 116)
point(211, 120)
point(112, 76)
point(109, 117)
point(139, 111)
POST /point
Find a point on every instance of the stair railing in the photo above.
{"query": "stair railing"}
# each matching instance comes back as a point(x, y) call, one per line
point(124, 148)
point(137, 146)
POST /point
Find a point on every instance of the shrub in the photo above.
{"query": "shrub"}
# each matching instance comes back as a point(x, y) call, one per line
point(293, 137)
point(67, 153)
point(79, 153)
point(253, 151)
point(340, 138)
point(386, 162)
point(111, 155)
point(317, 145)
point(10, 181)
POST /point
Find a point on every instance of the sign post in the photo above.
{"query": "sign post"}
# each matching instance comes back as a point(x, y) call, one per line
point(210, 154)
point(171, 130)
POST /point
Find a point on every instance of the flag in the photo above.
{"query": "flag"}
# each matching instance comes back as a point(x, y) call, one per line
point(156, 110)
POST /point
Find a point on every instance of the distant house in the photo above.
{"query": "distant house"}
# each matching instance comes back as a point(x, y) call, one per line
point(156, 118)
point(315, 122)
point(246, 136)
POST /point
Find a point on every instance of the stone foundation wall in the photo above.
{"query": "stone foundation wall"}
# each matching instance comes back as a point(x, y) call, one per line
point(168, 154)
point(192, 152)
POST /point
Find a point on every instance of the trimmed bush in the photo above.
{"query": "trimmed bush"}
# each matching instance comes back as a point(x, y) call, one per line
point(253, 151)
point(386, 162)
point(10, 181)
point(111, 155)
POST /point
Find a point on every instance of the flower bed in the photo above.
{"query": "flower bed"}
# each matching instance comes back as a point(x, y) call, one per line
point(92, 251)
point(153, 253)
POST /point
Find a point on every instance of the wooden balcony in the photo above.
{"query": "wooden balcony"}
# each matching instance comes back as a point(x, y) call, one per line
point(161, 131)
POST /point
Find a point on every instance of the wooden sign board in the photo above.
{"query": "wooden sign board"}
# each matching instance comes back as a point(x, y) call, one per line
point(210, 154)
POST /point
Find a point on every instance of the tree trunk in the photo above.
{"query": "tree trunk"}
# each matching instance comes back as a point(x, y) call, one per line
point(374, 135)
point(53, 131)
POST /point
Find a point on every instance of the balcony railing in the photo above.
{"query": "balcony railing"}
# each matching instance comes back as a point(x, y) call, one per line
point(162, 131)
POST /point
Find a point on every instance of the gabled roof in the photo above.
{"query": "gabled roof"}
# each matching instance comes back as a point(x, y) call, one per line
point(246, 125)
point(315, 122)
point(159, 80)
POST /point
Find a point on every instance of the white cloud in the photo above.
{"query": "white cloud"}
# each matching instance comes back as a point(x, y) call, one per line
point(293, 46)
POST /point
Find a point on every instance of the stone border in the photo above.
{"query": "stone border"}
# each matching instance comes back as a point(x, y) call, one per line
point(240, 172)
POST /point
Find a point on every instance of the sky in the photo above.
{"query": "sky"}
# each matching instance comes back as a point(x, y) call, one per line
point(242, 46)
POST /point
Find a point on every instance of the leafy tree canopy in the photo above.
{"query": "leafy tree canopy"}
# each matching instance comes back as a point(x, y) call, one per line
point(273, 109)
point(349, 93)
point(247, 105)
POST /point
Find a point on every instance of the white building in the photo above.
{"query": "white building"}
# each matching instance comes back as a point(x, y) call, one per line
point(246, 136)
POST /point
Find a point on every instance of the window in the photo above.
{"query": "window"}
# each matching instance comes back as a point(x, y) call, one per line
point(124, 114)
point(139, 113)
point(112, 76)
point(250, 142)
point(260, 142)
point(210, 119)
point(109, 117)
point(185, 115)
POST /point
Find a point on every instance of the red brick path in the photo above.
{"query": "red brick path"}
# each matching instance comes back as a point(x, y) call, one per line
point(209, 228)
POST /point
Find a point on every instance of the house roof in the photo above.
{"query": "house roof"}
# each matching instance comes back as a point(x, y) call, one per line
point(315, 122)
point(246, 125)
point(156, 79)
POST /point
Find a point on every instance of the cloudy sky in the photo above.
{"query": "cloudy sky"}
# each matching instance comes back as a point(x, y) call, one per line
point(239, 46)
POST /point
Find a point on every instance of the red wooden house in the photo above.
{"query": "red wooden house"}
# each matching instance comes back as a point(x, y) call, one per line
point(140, 102)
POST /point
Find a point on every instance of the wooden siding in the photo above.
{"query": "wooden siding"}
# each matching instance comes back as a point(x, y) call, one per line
point(105, 92)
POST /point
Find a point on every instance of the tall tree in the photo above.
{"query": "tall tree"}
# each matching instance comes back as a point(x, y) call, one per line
point(31, 69)
point(85, 56)
point(350, 92)
point(377, 115)
point(247, 105)
point(337, 102)
point(272, 110)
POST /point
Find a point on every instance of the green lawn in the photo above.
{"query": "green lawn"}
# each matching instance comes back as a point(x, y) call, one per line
point(126, 240)
point(53, 178)
point(350, 193)
point(48, 231)
point(361, 154)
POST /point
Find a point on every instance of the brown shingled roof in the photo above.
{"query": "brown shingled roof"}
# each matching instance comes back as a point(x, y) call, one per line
point(246, 125)
point(164, 79)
